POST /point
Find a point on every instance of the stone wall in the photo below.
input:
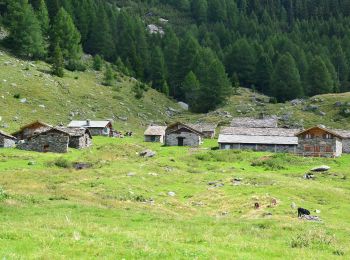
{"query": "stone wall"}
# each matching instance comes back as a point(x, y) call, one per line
point(279, 148)
point(322, 143)
point(154, 138)
point(208, 134)
point(346, 145)
point(190, 139)
point(55, 142)
point(80, 142)
point(7, 142)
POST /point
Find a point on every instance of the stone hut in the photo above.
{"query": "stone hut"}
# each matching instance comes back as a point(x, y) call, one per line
point(208, 130)
point(248, 122)
point(345, 134)
point(155, 133)
point(79, 138)
point(52, 140)
point(6, 140)
point(31, 129)
point(179, 134)
point(319, 141)
point(259, 139)
point(103, 128)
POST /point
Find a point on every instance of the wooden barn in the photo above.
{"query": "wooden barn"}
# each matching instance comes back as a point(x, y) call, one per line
point(258, 139)
point(103, 128)
point(31, 129)
point(6, 140)
point(208, 130)
point(319, 141)
point(179, 134)
point(155, 133)
point(52, 140)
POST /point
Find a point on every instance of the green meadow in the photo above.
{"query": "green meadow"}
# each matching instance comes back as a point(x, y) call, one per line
point(120, 207)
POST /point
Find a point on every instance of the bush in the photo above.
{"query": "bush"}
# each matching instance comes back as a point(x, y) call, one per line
point(3, 194)
point(98, 62)
point(75, 65)
point(62, 163)
point(17, 95)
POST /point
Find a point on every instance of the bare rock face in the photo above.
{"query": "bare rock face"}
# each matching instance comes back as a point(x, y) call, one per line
point(322, 168)
point(147, 153)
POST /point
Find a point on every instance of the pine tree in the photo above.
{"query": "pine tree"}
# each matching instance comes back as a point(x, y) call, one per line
point(191, 87)
point(165, 89)
point(319, 79)
point(200, 10)
point(98, 62)
point(108, 76)
point(58, 62)
point(66, 35)
point(43, 17)
point(26, 37)
point(286, 79)
point(263, 74)
point(157, 69)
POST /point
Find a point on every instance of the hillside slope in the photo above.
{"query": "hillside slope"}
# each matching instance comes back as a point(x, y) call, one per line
point(29, 92)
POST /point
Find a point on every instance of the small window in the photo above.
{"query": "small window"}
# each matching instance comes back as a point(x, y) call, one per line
point(153, 138)
point(308, 136)
point(308, 148)
point(328, 136)
point(328, 149)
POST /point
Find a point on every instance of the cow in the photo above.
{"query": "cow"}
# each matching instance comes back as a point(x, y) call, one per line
point(302, 212)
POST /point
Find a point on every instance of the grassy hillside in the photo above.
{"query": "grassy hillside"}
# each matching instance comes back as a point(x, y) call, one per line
point(79, 95)
point(121, 207)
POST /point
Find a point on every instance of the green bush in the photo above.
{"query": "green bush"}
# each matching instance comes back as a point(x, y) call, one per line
point(3, 194)
point(62, 163)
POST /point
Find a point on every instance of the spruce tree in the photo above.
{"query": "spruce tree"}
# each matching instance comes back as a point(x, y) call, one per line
point(157, 69)
point(26, 37)
point(263, 74)
point(286, 79)
point(97, 63)
point(66, 35)
point(43, 17)
point(58, 62)
point(108, 76)
point(191, 87)
point(319, 79)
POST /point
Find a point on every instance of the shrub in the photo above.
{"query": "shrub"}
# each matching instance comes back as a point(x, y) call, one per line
point(75, 65)
point(3, 194)
point(17, 95)
point(97, 65)
point(62, 163)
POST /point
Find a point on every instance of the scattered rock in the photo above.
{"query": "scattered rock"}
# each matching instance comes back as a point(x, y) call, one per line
point(42, 106)
point(13, 85)
point(131, 174)
point(123, 118)
point(236, 181)
point(311, 108)
point(183, 105)
point(296, 102)
point(311, 218)
point(318, 211)
point(322, 113)
point(153, 174)
point(23, 100)
point(215, 184)
point(338, 104)
point(147, 153)
point(293, 205)
point(171, 193)
point(81, 165)
point(322, 168)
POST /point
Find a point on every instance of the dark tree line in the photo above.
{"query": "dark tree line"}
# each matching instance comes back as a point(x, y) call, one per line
point(283, 48)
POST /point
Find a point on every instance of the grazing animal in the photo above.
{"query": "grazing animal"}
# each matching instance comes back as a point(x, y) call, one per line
point(256, 205)
point(302, 211)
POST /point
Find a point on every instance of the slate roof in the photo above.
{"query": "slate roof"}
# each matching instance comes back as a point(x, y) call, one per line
point(181, 125)
point(333, 132)
point(252, 122)
point(155, 130)
point(7, 135)
point(33, 123)
point(75, 131)
point(92, 124)
point(42, 131)
point(204, 127)
point(255, 135)
point(343, 133)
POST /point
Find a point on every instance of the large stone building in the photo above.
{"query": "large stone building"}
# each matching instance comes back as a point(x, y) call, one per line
point(79, 138)
point(155, 133)
point(319, 141)
point(6, 140)
point(345, 134)
point(31, 129)
point(258, 139)
point(208, 130)
point(52, 140)
point(179, 134)
point(104, 128)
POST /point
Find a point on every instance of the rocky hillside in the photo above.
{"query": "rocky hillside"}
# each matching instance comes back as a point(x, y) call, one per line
point(29, 92)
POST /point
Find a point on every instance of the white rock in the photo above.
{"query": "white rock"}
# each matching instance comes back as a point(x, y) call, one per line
point(171, 193)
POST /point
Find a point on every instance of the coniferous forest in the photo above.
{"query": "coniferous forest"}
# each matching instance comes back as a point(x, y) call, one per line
point(283, 48)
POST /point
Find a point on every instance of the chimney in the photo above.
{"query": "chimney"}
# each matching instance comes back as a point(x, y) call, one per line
point(88, 122)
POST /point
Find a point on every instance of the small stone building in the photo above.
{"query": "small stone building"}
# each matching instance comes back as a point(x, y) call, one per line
point(6, 140)
point(248, 122)
point(79, 138)
point(53, 140)
point(258, 139)
point(319, 141)
point(103, 128)
point(155, 133)
point(208, 130)
point(31, 129)
point(345, 134)
point(179, 134)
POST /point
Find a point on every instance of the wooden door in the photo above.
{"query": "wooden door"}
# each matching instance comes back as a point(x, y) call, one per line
point(180, 141)
point(317, 150)
point(46, 148)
